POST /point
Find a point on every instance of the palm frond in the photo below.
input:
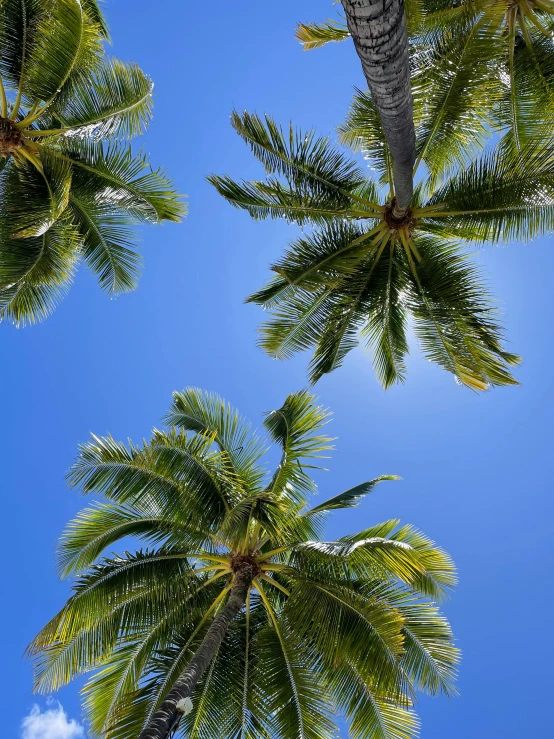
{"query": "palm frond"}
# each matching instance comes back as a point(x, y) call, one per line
point(309, 164)
point(404, 552)
point(372, 559)
point(340, 330)
point(361, 629)
point(175, 472)
point(100, 526)
point(527, 102)
point(370, 715)
point(41, 268)
point(454, 319)
point(66, 45)
point(115, 101)
point(322, 258)
point(93, 10)
point(114, 597)
point(108, 245)
point(208, 414)
point(386, 323)
point(296, 427)
point(296, 324)
point(295, 693)
point(457, 90)
point(19, 20)
point(272, 199)
point(315, 35)
point(122, 180)
point(326, 282)
point(430, 657)
point(350, 498)
point(501, 196)
point(32, 200)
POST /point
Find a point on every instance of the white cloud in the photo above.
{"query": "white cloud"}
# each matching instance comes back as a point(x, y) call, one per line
point(50, 724)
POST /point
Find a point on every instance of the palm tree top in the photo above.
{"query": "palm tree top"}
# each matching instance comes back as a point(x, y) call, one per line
point(359, 273)
point(208, 511)
point(70, 187)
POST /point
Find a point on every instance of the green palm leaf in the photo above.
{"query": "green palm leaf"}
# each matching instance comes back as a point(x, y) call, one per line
point(501, 196)
point(369, 715)
point(18, 20)
point(429, 655)
point(209, 415)
point(122, 180)
point(314, 35)
point(298, 704)
point(296, 428)
point(33, 200)
point(116, 101)
point(108, 245)
point(62, 42)
point(350, 498)
point(455, 98)
point(362, 131)
point(301, 158)
point(41, 268)
point(272, 199)
point(385, 327)
point(93, 9)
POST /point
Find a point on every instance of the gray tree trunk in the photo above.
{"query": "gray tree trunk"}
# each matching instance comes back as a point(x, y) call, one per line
point(168, 715)
point(378, 29)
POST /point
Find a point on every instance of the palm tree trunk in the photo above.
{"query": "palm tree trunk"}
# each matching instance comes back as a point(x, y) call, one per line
point(168, 714)
point(378, 28)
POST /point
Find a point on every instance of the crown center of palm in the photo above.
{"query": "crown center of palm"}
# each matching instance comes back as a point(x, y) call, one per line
point(240, 560)
point(406, 221)
point(11, 138)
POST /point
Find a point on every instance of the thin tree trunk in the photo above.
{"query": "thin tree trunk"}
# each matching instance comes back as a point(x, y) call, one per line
point(167, 715)
point(378, 29)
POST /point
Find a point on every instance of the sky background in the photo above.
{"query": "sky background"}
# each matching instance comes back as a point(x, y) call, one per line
point(475, 468)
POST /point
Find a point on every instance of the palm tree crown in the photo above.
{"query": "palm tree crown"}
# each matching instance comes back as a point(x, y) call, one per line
point(361, 273)
point(64, 192)
point(215, 523)
point(495, 59)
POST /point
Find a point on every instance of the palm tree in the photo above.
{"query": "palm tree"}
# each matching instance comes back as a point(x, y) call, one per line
point(378, 29)
point(64, 192)
point(361, 272)
point(226, 602)
point(495, 58)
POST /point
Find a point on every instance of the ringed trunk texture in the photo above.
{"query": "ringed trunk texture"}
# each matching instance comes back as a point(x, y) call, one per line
point(167, 715)
point(378, 29)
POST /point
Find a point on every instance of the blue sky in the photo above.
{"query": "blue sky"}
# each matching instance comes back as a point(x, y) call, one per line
point(475, 467)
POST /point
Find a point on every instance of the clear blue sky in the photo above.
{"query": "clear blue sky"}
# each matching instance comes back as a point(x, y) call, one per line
point(476, 471)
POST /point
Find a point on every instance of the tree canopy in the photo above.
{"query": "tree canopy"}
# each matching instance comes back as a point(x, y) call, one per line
point(200, 499)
